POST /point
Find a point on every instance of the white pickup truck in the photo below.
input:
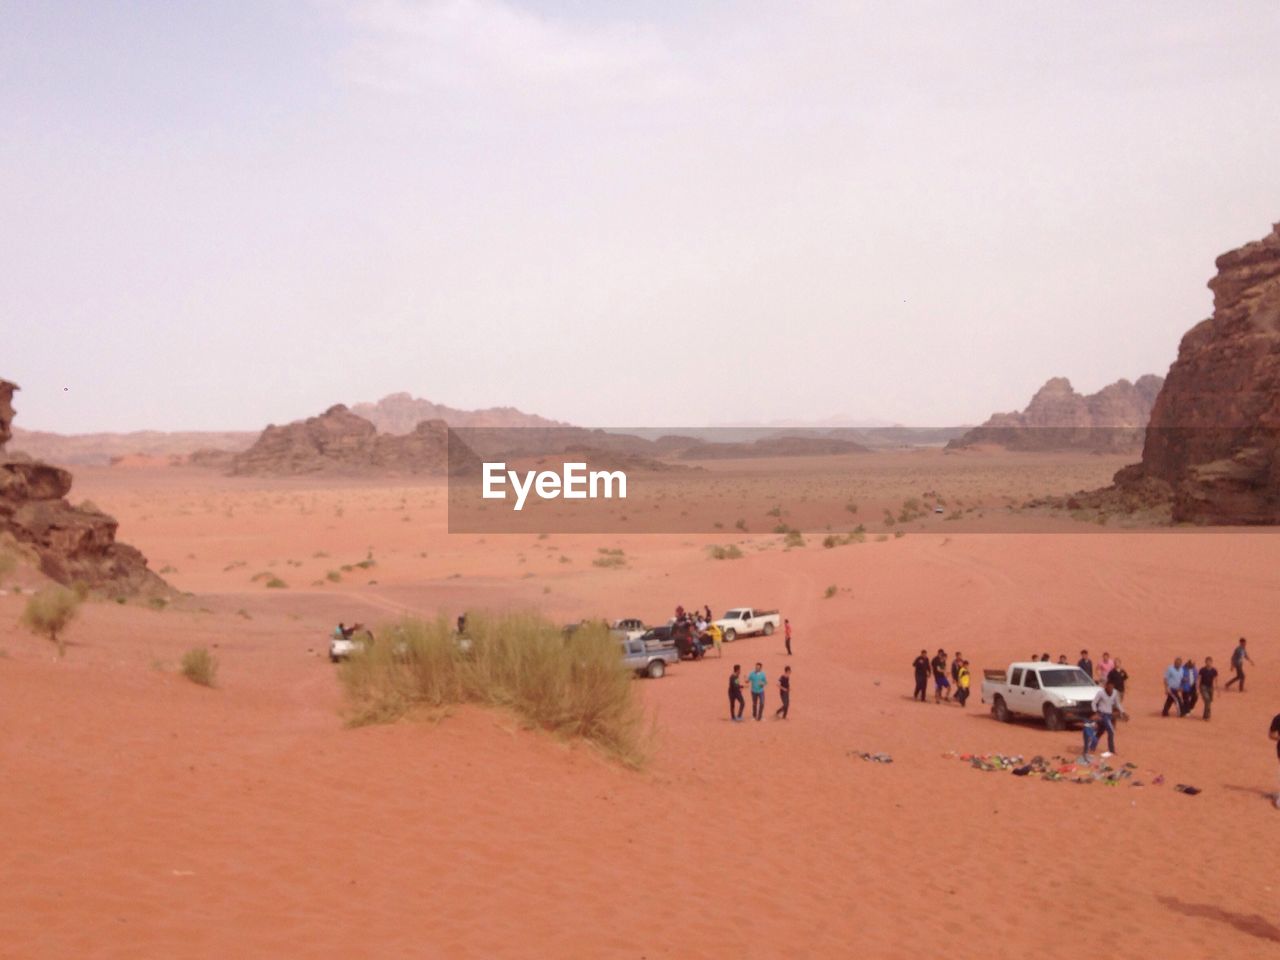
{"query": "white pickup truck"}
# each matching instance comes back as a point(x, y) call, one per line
point(747, 621)
point(1054, 692)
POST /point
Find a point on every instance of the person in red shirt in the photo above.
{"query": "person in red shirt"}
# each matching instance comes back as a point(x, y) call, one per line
point(786, 634)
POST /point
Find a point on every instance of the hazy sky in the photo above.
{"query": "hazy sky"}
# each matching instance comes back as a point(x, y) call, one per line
point(216, 215)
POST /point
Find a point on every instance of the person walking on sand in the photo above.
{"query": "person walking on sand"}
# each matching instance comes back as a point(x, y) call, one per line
point(758, 681)
point(736, 702)
point(784, 692)
point(956, 660)
point(1190, 680)
point(1173, 687)
point(962, 683)
point(786, 633)
point(921, 665)
point(941, 685)
point(1106, 704)
point(1238, 658)
point(1208, 685)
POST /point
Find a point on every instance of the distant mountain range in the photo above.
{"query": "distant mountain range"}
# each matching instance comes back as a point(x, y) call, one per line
point(1058, 418)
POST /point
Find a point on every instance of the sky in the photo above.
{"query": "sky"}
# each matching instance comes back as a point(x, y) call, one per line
point(214, 216)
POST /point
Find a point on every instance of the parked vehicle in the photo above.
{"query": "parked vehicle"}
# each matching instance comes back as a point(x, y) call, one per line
point(1053, 692)
point(648, 661)
point(343, 644)
point(747, 621)
point(629, 627)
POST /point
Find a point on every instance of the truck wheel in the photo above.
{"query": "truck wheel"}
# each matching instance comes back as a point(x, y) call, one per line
point(656, 669)
point(1053, 718)
point(1000, 710)
point(730, 635)
point(768, 629)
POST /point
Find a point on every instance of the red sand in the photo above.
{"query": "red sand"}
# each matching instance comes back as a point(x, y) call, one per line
point(146, 816)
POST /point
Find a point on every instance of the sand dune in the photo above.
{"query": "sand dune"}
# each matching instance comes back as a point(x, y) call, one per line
point(146, 816)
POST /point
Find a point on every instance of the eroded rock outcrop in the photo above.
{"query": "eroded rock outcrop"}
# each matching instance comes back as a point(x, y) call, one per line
point(1058, 418)
point(340, 442)
point(75, 545)
point(1214, 437)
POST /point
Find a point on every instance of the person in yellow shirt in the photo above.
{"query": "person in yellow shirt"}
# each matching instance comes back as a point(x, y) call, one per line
point(716, 636)
point(962, 679)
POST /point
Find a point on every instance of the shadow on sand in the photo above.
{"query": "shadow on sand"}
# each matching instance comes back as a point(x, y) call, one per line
point(1251, 924)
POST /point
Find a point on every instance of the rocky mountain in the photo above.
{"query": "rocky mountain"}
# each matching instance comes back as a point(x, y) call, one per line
point(339, 441)
point(1213, 443)
point(73, 544)
point(400, 413)
point(1058, 418)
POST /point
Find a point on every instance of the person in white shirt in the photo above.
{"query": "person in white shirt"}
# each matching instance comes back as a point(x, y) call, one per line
point(1106, 704)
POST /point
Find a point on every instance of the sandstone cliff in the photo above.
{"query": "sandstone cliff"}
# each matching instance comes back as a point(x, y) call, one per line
point(74, 544)
point(1214, 437)
point(1058, 418)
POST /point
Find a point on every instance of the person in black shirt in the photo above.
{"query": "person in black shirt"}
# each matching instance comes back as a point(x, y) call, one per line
point(940, 681)
point(921, 665)
point(737, 703)
point(1118, 677)
point(1208, 685)
point(1275, 735)
point(1085, 664)
point(784, 691)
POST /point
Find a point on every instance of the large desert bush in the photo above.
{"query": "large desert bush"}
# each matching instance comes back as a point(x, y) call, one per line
point(49, 612)
point(572, 686)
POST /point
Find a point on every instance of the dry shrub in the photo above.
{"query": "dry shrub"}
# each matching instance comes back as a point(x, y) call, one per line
point(200, 666)
point(49, 612)
point(572, 686)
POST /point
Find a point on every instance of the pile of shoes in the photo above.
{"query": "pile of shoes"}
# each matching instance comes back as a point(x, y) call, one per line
point(1082, 770)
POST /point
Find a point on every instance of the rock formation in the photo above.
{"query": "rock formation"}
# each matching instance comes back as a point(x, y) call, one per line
point(400, 413)
point(73, 544)
point(1058, 418)
point(338, 441)
point(1214, 437)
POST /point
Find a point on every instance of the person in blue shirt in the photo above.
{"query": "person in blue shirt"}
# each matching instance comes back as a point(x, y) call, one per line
point(757, 680)
point(1173, 688)
point(1190, 683)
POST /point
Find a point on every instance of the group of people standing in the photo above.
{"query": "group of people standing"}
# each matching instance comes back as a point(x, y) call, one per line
point(946, 677)
point(757, 681)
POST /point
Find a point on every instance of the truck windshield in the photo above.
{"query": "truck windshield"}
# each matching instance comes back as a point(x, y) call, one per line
point(736, 615)
point(1065, 677)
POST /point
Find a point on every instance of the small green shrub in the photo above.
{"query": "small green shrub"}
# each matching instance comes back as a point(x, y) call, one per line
point(830, 591)
point(794, 538)
point(200, 666)
point(275, 583)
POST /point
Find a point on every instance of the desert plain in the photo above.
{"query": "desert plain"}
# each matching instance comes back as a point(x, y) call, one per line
point(146, 816)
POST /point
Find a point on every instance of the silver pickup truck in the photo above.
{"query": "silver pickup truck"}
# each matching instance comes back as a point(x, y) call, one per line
point(646, 659)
